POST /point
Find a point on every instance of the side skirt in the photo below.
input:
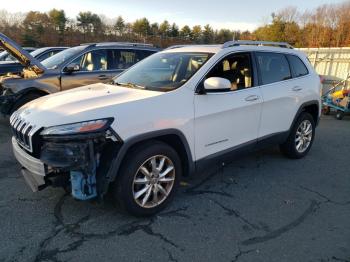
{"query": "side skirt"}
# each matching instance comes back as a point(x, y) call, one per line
point(222, 158)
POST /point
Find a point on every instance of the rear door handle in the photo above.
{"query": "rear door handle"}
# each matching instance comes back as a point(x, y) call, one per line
point(103, 77)
point(297, 88)
point(251, 98)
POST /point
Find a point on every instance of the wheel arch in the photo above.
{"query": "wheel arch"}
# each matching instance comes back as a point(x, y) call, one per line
point(32, 90)
point(26, 92)
point(172, 137)
point(311, 107)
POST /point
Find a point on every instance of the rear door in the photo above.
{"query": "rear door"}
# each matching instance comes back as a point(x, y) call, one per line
point(279, 93)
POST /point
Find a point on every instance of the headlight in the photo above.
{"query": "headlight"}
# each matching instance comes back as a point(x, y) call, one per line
point(78, 128)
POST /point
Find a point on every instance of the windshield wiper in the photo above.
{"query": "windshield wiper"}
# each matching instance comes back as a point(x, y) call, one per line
point(131, 85)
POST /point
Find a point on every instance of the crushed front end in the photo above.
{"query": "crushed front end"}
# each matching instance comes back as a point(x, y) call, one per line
point(75, 156)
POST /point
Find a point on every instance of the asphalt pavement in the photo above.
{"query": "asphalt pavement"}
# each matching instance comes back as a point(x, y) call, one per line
point(261, 207)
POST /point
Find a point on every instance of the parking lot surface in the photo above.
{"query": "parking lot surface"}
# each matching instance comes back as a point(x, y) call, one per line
point(261, 207)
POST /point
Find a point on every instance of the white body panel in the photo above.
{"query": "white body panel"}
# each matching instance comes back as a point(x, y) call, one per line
point(210, 123)
point(225, 120)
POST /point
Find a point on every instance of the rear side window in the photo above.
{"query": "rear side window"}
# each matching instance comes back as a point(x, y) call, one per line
point(273, 67)
point(298, 67)
point(122, 58)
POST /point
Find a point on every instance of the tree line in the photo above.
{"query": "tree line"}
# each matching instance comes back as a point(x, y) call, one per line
point(325, 26)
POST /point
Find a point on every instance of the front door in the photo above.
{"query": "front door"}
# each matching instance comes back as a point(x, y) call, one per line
point(228, 120)
point(93, 69)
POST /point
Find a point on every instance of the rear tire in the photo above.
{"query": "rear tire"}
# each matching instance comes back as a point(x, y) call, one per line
point(148, 178)
point(24, 100)
point(300, 138)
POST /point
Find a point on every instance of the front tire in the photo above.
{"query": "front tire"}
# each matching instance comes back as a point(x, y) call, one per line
point(148, 178)
point(300, 138)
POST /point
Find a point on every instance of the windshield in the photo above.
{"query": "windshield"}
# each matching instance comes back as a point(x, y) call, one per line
point(57, 60)
point(163, 71)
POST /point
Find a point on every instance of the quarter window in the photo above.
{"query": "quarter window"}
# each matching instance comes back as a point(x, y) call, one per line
point(273, 67)
point(298, 67)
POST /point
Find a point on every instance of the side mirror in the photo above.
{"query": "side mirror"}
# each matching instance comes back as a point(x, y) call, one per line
point(71, 68)
point(217, 84)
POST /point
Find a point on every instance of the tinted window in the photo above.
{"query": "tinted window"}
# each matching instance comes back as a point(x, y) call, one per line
point(142, 54)
point(124, 58)
point(298, 67)
point(273, 67)
point(236, 68)
point(93, 61)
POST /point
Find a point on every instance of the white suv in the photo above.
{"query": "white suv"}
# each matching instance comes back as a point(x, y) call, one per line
point(168, 116)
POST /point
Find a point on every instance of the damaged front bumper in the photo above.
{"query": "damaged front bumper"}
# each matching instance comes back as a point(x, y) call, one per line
point(33, 169)
point(79, 162)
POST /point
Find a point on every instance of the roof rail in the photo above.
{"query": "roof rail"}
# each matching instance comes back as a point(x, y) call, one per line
point(175, 46)
point(119, 44)
point(258, 43)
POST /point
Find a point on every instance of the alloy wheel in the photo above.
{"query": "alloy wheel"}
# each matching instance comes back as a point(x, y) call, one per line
point(303, 136)
point(153, 181)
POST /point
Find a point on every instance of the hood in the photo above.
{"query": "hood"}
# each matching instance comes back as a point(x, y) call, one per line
point(80, 104)
point(21, 55)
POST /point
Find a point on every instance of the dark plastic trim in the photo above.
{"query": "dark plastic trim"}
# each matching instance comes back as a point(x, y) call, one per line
point(127, 144)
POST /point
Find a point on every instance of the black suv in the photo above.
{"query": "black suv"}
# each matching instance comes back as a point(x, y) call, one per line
point(74, 67)
point(14, 67)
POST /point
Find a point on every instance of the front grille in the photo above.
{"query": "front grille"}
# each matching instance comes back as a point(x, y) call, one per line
point(22, 131)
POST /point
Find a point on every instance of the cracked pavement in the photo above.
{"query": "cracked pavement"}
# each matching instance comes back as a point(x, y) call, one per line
point(261, 207)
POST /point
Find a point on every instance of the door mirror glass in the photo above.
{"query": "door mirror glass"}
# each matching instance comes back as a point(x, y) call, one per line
point(72, 68)
point(217, 84)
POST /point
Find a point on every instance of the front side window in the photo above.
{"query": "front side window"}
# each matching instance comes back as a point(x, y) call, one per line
point(273, 67)
point(163, 71)
point(298, 67)
point(236, 68)
point(95, 60)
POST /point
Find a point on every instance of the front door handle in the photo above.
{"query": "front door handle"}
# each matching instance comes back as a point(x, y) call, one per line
point(297, 88)
point(252, 98)
point(103, 77)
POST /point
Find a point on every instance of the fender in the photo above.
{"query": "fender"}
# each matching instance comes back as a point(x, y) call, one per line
point(301, 109)
point(7, 101)
point(30, 90)
point(127, 144)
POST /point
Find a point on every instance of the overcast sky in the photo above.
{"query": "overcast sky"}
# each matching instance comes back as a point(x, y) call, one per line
point(229, 14)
